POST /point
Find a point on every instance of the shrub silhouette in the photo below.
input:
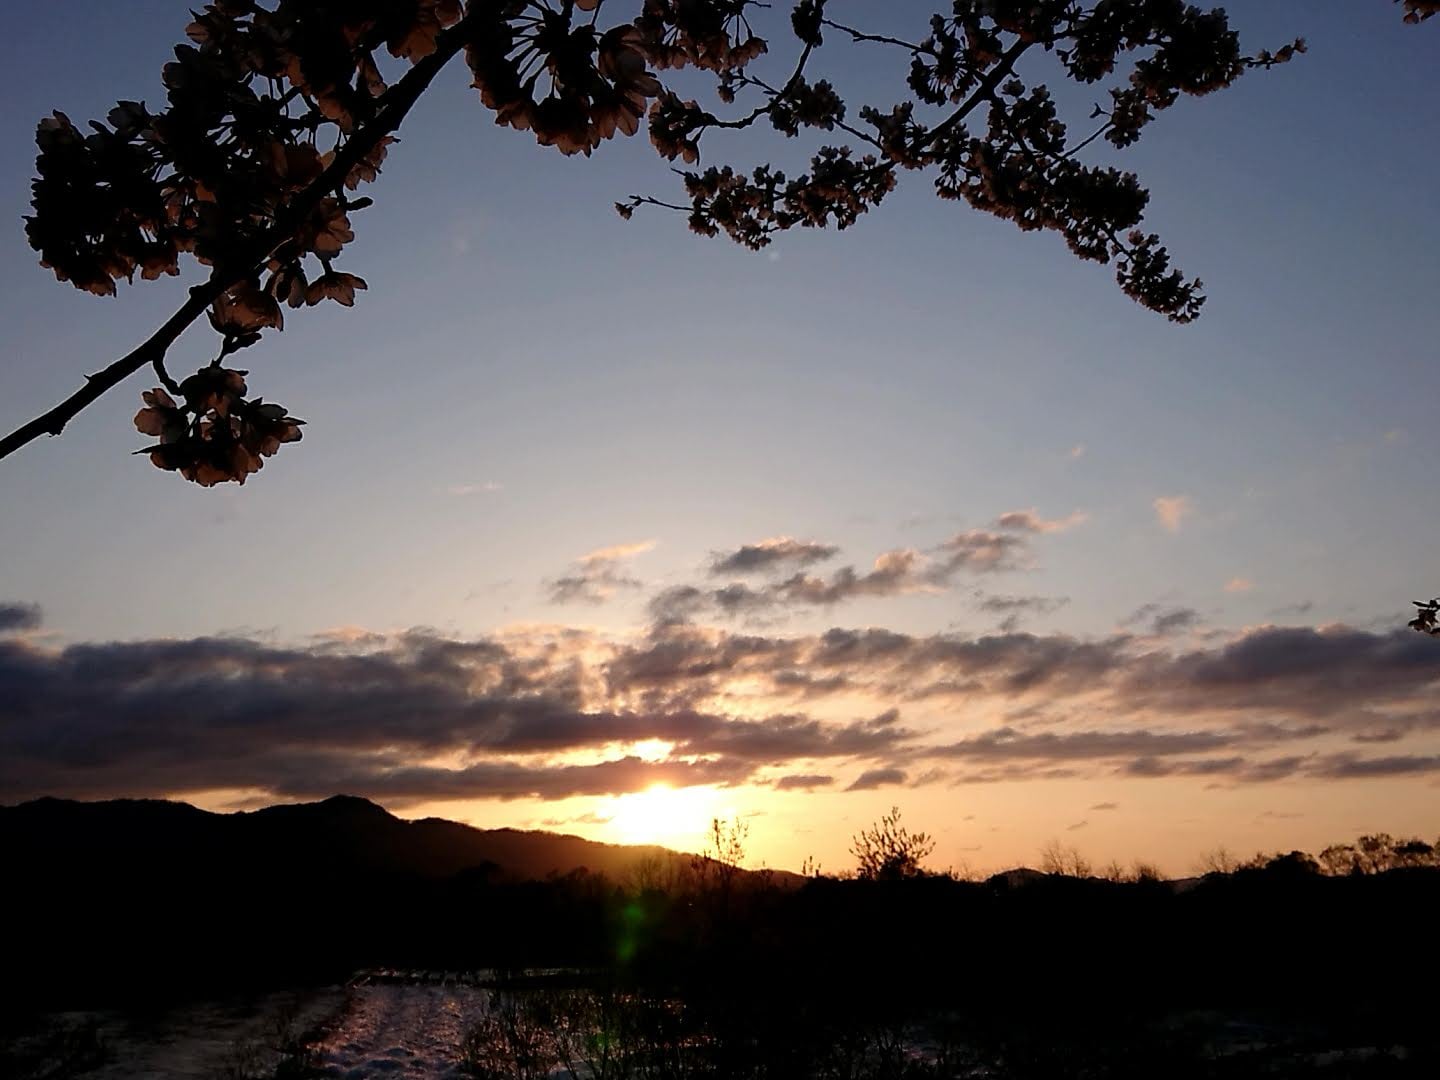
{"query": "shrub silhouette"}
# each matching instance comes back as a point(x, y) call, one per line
point(887, 851)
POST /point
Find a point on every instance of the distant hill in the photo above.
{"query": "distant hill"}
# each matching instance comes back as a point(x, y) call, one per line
point(344, 834)
point(108, 899)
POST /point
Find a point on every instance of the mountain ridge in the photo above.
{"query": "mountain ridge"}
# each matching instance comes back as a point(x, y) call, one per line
point(342, 829)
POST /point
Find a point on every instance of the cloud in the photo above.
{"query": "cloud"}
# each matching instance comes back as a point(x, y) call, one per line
point(1171, 510)
point(770, 554)
point(555, 712)
point(589, 588)
point(1015, 609)
point(1236, 768)
point(1239, 584)
point(163, 717)
point(1030, 521)
point(1304, 607)
point(598, 575)
point(1101, 806)
point(1161, 621)
point(615, 553)
point(17, 616)
point(901, 571)
point(399, 784)
point(1267, 672)
point(1076, 452)
point(1350, 767)
point(678, 604)
point(489, 487)
point(1077, 826)
point(1384, 735)
point(981, 551)
point(580, 819)
point(893, 573)
point(803, 782)
point(1008, 744)
point(873, 779)
point(350, 636)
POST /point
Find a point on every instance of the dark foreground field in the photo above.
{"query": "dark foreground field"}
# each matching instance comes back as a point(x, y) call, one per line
point(174, 954)
point(429, 1031)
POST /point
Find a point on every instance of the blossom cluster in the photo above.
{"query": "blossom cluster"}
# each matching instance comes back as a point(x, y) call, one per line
point(214, 434)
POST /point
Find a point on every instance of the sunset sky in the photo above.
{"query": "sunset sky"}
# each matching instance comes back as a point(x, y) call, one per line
point(603, 527)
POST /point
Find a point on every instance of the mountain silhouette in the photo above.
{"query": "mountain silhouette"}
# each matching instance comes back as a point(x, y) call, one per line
point(342, 835)
point(113, 899)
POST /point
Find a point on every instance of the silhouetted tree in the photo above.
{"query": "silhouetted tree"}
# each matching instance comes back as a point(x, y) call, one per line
point(1415, 853)
point(888, 851)
point(1292, 864)
point(1058, 858)
point(1376, 853)
point(724, 854)
point(1138, 871)
point(1217, 861)
point(279, 110)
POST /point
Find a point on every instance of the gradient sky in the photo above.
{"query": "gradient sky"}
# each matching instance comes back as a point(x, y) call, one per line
point(1227, 520)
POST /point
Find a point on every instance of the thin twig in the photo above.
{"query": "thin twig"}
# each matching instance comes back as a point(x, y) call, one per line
point(877, 39)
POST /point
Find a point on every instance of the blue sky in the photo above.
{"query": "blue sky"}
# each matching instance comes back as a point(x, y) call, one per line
point(530, 379)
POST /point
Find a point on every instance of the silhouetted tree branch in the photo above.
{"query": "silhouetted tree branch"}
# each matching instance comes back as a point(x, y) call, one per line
point(279, 109)
point(391, 110)
point(1427, 618)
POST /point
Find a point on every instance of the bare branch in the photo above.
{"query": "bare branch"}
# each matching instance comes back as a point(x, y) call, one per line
point(877, 39)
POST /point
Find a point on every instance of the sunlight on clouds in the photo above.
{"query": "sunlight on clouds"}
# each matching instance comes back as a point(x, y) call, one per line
point(616, 552)
point(651, 749)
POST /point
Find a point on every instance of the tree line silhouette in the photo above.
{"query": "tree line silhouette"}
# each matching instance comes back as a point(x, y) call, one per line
point(726, 972)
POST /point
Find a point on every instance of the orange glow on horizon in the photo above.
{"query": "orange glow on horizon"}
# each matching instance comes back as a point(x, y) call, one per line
point(674, 817)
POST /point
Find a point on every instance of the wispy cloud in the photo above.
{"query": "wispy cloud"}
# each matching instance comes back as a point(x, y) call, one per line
point(1171, 510)
point(873, 779)
point(598, 575)
point(1239, 584)
point(1006, 545)
point(15, 616)
point(1161, 620)
point(803, 782)
point(1015, 609)
point(616, 552)
point(580, 819)
point(981, 551)
point(1030, 521)
point(489, 487)
point(771, 554)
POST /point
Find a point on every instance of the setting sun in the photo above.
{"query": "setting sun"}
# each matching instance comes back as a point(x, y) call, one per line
point(665, 815)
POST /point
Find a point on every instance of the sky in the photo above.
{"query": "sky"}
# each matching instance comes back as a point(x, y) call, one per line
point(604, 527)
